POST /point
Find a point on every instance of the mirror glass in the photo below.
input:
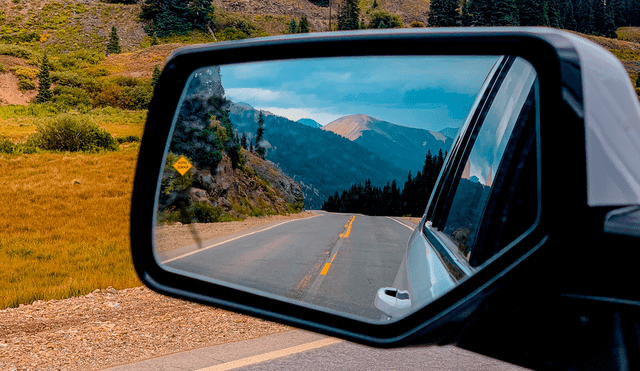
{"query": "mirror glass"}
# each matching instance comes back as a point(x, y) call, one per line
point(306, 180)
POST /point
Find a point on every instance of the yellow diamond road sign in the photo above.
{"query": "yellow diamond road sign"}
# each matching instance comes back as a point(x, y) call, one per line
point(182, 165)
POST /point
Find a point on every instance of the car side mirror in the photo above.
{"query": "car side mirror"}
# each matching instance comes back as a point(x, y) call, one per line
point(229, 135)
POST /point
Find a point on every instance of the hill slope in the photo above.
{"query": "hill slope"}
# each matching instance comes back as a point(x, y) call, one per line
point(404, 147)
point(317, 159)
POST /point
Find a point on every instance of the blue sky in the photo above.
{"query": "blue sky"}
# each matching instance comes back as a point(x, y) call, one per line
point(417, 91)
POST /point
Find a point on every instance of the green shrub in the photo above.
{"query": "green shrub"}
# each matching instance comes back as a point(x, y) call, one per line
point(69, 97)
point(7, 146)
point(416, 24)
point(68, 78)
point(20, 51)
point(231, 33)
point(3, 68)
point(128, 139)
point(25, 84)
point(68, 133)
point(380, 18)
point(202, 212)
point(78, 59)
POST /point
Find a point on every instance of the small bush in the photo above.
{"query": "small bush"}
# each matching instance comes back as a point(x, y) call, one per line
point(380, 18)
point(78, 59)
point(68, 78)
point(202, 212)
point(6, 146)
point(416, 24)
point(128, 139)
point(69, 97)
point(28, 73)
point(68, 133)
point(20, 51)
point(25, 84)
point(231, 33)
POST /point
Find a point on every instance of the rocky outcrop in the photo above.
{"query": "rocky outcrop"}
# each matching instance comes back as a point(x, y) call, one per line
point(257, 188)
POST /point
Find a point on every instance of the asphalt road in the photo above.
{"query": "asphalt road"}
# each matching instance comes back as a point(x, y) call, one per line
point(336, 261)
point(302, 350)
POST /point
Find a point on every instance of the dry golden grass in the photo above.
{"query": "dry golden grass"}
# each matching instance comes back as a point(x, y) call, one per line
point(629, 34)
point(64, 229)
point(119, 123)
point(140, 63)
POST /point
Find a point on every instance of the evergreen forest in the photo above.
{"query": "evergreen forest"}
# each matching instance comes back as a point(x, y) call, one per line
point(594, 17)
point(390, 200)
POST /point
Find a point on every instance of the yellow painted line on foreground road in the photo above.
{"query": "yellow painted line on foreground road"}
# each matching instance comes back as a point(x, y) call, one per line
point(349, 225)
point(272, 355)
point(326, 266)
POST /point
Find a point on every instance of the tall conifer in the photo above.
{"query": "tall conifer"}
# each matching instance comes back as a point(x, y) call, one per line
point(113, 47)
point(443, 13)
point(44, 81)
point(349, 16)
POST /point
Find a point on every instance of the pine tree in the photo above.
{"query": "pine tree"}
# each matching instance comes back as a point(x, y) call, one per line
point(44, 81)
point(443, 13)
point(479, 12)
point(260, 150)
point(303, 26)
point(531, 13)
point(374, 5)
point(243, 140)
point(568, 16)
point(293, 26)
point(553, 14)
point(113, 47)
point(155, 76)
point(154, 40)
point(465, 18)
point(349, 16)
point(504, 13)
point(609, 27)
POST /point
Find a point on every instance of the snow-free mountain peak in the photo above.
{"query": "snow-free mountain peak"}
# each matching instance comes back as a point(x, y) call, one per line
point(352, 126)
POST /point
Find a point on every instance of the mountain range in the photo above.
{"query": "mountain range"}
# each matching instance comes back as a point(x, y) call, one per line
point(403, 146)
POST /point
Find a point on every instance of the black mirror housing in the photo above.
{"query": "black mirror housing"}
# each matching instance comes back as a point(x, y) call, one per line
point(502, 286)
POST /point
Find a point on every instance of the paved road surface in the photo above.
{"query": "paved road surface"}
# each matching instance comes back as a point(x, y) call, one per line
point(301, 350)
point(336, 261)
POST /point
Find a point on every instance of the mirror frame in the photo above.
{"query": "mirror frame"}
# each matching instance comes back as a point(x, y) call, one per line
point(502, 283)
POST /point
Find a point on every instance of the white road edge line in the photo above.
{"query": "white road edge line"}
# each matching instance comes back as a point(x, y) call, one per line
point(272, 355)
point(401, 223)
point(233, 239)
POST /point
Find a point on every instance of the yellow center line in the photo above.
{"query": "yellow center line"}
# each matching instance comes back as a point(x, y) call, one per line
point(348, 226)
point(346, 234)
point(272, 355)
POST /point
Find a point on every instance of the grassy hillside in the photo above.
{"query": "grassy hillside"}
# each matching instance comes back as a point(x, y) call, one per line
point(64, 230)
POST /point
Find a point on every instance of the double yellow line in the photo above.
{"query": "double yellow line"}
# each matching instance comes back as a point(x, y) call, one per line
point(346, 234)
point(348, 226)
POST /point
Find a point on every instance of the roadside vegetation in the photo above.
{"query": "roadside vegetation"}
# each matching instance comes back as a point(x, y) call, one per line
point(83, 75)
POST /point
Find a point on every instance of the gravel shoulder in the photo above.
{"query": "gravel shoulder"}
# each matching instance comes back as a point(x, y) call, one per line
point(109, 328)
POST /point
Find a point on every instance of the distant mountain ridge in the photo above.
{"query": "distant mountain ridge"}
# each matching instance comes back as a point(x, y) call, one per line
point(320, 161)
point(310, 122)
point(403, 146)
point(449, 132)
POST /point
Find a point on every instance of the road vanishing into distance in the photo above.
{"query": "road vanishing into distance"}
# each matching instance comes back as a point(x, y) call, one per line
point(336, 261)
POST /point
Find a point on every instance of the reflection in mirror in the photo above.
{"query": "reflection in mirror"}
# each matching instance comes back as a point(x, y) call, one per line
point(305, 179)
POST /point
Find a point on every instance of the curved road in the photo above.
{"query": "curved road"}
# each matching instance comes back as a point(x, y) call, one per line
point(335, 261)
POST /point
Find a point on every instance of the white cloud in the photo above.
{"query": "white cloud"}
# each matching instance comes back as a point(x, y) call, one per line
point(257, 95)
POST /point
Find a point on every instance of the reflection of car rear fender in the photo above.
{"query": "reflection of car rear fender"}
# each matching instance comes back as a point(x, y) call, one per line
point(422, 274)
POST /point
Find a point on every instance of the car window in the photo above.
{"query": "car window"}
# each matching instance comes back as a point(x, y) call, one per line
point(474, 188)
